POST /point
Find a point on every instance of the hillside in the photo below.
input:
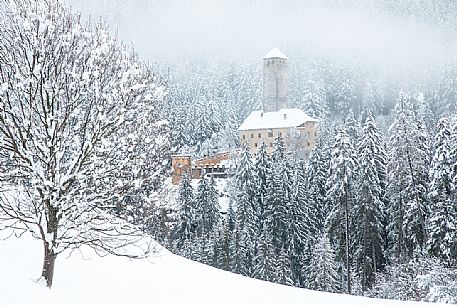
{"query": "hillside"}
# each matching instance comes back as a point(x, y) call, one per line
point(163, 279)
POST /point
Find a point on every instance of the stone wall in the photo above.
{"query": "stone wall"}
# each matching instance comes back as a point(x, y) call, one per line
point(275, 81)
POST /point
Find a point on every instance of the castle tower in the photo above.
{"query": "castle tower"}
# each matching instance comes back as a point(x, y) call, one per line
point(180, 165)
point(275, 80)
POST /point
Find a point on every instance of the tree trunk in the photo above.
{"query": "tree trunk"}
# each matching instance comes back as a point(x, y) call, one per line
point(48, 265)
point(346, 210)
point(365, 252)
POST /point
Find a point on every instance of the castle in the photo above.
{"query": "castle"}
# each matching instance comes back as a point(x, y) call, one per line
point(275, 118)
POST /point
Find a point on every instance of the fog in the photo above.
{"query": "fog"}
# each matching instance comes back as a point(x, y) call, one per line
point(170, 31)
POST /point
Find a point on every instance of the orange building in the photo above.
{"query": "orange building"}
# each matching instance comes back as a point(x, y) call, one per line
point(217, 165)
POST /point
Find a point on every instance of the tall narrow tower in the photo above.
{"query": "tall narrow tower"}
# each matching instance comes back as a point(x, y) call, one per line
point(275, 81)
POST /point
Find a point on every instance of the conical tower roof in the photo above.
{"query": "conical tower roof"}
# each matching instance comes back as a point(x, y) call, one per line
point(275, 53)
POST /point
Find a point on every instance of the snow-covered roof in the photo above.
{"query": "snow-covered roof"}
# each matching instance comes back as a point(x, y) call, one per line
point(284, 118)
point(275, 53)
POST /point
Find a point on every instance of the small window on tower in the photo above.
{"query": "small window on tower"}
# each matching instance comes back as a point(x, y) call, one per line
point(252, 135)
point(255, 145)
point(244, 137)
point(260, 135)
point(270, 133)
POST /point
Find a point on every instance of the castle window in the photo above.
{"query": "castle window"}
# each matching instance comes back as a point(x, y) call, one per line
point(315, 133)
point(255, 145)
point(270, 133)
point(260, 135)
point(307, 143)
point(252, 135)
point(244, 137)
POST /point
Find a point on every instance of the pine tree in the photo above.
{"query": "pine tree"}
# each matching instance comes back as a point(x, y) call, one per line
point(224, 252)
point(230, 136)
point(443, 213)
point(408, 181)
point(447, 94)
point(424, 112)
point(303, 225)
point(178, 130)
point(351, 126)
point(280, 196)
point(368, 209)
point(340, 194)
point(316, 177)
point(245, 230)
point(314, 99)
point(207, 206)
point(262, 167)
point(371, 96)
point(265, 260)
point(453, 158)
point(283, 268)
point(322, 272)
point(185, 228)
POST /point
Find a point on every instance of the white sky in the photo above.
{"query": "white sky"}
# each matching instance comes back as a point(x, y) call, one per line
point(164, 30)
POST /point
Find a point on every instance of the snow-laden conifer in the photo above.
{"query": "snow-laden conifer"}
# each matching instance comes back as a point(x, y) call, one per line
point(340, 194)
point(442, 223)
point(408, 180)
point(246, 203)
point(368, 208)
point(322, 271)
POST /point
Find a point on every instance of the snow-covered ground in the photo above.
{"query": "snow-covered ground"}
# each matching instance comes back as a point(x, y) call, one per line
point(163, 279)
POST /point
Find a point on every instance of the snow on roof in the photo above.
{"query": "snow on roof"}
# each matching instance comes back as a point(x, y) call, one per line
point(284, 118)
point(275, 53)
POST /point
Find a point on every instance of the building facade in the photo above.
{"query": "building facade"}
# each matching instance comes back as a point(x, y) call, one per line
point(294, 125)
point(217, 165)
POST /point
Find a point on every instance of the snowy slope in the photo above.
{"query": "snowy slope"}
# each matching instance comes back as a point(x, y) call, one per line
point(164, 279)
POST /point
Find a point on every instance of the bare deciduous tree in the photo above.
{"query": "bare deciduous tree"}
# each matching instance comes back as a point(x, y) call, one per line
point(80, 134)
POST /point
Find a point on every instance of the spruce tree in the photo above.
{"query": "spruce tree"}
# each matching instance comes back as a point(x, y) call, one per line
point(408, 180)
point(314, 99)
point(280, 196)
point(185, 228)
point(262, 168)
point(351, 126)
point(211, 211)
point(368, 208)
point(283, 268)
point(265, 259)
point(314, 187)
point(245, 230)
point(443, 212)
point(340, 194)
point(303, 225)
point(447, 94)
point(322, 271)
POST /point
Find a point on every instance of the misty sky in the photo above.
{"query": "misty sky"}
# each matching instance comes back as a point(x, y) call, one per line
point(164, 30)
